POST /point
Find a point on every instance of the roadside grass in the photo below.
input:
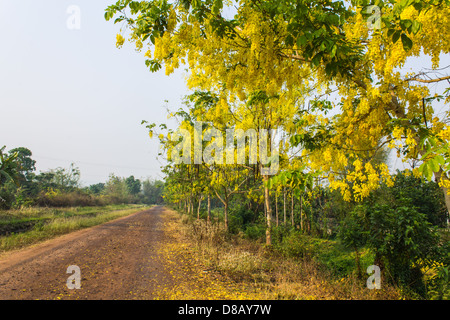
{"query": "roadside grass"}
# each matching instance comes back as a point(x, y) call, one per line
point(299, 268)
point(190, 279)
point(23, 227)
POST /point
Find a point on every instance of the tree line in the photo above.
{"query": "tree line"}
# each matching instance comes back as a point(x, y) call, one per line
point(21, 185)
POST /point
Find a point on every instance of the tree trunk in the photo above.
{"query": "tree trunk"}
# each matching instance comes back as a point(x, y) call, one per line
point(292, 208)
point(200, 199)
point(284, 205)
point(209, 208)
point(224, 201)
point(301, 213)
point(226, 214)
point(265, 209)
point(276, 207)
point(269, 212)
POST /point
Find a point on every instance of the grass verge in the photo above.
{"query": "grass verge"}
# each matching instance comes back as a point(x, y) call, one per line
point(24, 227)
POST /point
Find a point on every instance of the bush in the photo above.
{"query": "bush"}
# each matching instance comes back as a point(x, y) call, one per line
point(439, 287)
point(426, 197)
point(399, 237)
point(296, 244)
point(239, 218)
point(293, 245)
point(255, 231)
point(7, 195)
point(70, 199)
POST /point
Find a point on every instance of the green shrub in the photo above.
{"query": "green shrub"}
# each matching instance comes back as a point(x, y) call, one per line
point(293, 245)
point(439, 287)
point(255, 231)
point(398, 236)
point(425, 196)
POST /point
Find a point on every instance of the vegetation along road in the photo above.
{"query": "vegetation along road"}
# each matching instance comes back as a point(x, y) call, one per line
point(133, 257)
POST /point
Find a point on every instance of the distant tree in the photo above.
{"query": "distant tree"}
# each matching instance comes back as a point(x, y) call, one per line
point(9, 167)
point(45, 180)
point(9, 178)
point(117, 189)
point(96, 188)
point(152, 191)
point(65, 179)
point(133, 185)
point(26, 165)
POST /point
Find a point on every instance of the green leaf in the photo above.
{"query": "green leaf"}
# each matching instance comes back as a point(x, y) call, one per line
point(333, 51)
point(416, 27)
point(440, 160)
point(396, 36)
point(407, 42)
point(406, 3)
point(216, 7)
point(418, 6)
point(323, 46)
point(134, 6)
point(434, 165)
point(427, 171)
point(108, 15)
point(406, 24)
point(302, 40)
point(391, 32)
point(270, 184)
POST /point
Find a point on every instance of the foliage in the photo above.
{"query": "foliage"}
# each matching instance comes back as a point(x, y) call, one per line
point(26, 165)
point(21, 186)
point(97, 188)
point(399, 236)
point(276, 65)
point(425, 196)
point(152, 191)
point(116, 188)
point(9, 167)
point(133, 185)
point(15, 167)
point(255, 59)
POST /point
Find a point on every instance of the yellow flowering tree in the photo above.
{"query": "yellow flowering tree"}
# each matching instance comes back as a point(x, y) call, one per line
point(275, 63)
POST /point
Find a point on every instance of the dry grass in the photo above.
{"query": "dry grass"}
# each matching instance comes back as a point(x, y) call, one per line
point(270, 274)
point(189, 278)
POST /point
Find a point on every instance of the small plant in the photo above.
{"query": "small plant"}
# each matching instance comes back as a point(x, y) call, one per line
point(439, 288)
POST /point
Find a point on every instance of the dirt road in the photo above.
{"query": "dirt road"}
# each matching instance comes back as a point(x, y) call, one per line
point(122, 259)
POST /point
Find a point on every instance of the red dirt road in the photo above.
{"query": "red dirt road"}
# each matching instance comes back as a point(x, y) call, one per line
point(117, 260)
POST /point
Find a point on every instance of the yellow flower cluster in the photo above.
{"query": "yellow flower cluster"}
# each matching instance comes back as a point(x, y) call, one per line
point(119, 40)
point(445, 183)
point(444, 133)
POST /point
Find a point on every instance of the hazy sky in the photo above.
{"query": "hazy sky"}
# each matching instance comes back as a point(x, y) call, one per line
point(72, 96)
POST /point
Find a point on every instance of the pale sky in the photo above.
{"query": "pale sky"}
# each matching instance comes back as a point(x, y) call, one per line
point(72, 96)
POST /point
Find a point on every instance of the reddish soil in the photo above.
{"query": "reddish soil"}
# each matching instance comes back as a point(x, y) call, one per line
point(117, 260)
